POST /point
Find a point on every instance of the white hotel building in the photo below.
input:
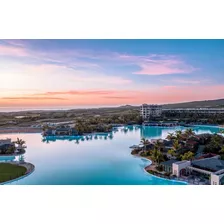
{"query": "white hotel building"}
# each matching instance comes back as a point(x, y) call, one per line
point(150, 110)
point(196, 110)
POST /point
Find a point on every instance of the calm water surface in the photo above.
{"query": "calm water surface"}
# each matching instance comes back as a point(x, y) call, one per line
point(96, 161)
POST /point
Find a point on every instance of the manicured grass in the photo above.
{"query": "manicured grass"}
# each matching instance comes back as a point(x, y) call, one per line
point(10, 171)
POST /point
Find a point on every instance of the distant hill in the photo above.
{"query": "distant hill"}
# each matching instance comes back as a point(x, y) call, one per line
point(197, 104)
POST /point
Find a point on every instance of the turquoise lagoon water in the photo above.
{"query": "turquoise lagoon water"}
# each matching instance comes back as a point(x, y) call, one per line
point(99, 160)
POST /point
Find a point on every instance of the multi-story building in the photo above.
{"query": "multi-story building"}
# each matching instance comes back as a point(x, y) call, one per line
point(196, 110)
point(148, 111)
point(7, 141)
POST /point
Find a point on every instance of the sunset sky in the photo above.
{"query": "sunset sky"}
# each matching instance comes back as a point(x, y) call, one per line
point(94, 73)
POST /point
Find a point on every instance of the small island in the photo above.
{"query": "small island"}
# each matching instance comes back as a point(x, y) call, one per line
point(13, 170)
point(79, 129)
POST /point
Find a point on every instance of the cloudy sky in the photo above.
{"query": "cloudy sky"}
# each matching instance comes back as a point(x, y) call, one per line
point(90, 73)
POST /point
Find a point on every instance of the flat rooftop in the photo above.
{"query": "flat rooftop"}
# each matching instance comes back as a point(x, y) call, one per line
point(213, 164)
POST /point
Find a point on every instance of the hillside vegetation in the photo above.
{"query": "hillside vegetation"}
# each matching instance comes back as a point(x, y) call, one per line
point(198, 104)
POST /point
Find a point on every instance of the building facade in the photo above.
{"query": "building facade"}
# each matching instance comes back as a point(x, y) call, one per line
point(212, 167)
point(148, 111)
point(196, 110)
point(5, 141)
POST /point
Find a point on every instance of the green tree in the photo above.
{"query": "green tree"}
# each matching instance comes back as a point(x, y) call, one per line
point(176, 145)
point(10, 150)
point(189, 132)
point(215, 144)
point(222, 150)
point(187, 156)
point(158, 145)
point(145, 142)
point(157, 156)
point(20, 142)
point(170, 136)
point(172, 152)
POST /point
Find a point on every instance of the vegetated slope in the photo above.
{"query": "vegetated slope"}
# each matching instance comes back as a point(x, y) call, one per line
point(219, 103)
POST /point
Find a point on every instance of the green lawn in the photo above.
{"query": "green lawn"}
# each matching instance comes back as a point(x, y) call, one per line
point(10, 171)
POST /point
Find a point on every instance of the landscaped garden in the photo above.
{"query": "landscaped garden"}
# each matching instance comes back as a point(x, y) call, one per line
point(11, 171)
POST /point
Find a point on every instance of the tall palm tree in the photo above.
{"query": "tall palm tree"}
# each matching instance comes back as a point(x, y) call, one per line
point(20, 142)
point(176, 145)
point(157, 156)
point(170, 136)
point(158, 145)
point(178, 134)
point(145, 142)
point(189, 132)
point(222, 150)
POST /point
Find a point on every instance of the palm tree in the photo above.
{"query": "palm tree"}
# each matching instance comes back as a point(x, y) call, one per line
point(189, 132)
point(157, 156)
point(145, 142)
point(222, 150)
point(187, 156)
point(176, 145)
point(178, 134)
point(170, 136)
point(158, 145)
point(171, 152)
point(21, 143)
point(221, 131)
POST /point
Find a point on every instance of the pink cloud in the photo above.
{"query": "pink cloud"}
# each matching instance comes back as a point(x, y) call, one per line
point(153, 64)
point(12, 51)
point(32, 98)
point(158, 64)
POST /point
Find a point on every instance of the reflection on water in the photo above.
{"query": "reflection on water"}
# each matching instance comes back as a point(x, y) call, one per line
point(77, 139)
point(92, 159)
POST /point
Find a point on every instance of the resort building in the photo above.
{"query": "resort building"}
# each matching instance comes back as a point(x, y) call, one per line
point(167, 165)
point(65, 131)
point(148, 111)
point(196, 110)
point(7, 141)
point(5, 144)
point(212, 167)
